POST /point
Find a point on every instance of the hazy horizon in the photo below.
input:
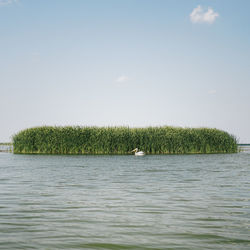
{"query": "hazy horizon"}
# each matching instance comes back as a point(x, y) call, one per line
point(133, 63)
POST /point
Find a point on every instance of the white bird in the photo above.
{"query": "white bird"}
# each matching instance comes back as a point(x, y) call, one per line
point(137, 152)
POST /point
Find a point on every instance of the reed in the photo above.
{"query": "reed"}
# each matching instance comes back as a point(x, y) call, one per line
point(121, 140)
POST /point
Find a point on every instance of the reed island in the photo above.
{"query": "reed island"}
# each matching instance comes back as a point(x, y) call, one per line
point(121, 140)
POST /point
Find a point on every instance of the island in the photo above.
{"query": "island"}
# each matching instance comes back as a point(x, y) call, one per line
point(121, 140)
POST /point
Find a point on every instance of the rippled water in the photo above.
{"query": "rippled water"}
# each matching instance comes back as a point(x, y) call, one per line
point(125, 202)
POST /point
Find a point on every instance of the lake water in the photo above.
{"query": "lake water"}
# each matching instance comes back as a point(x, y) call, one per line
point(125, 202)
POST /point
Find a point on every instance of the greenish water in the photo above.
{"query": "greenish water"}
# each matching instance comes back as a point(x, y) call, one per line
point(125, 202)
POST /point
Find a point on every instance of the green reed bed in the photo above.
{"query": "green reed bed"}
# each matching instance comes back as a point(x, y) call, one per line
point(121, 140)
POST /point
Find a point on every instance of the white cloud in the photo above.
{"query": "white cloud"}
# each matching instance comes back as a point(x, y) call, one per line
point(122, 79)
point(7, 2)
point(212, 92)
point(198, 15)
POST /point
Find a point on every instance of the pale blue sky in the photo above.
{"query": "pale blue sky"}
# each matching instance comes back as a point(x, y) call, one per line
point(125, 62)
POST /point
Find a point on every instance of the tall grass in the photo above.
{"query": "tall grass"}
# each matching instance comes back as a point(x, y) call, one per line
point(121, 140)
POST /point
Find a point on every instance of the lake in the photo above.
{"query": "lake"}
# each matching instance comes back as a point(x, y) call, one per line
point(125, 202)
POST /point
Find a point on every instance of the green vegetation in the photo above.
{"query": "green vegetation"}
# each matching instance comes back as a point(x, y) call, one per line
point(121, 140)
point(5, 143)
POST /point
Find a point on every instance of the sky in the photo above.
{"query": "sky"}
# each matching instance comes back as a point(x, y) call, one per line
point(134, 63)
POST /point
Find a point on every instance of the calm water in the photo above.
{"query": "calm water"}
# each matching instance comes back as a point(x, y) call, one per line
point(125, 202)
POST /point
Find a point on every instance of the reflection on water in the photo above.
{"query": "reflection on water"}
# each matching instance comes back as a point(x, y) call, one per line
point(125, 202)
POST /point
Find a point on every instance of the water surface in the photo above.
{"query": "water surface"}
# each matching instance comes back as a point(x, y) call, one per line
point(125, 202)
